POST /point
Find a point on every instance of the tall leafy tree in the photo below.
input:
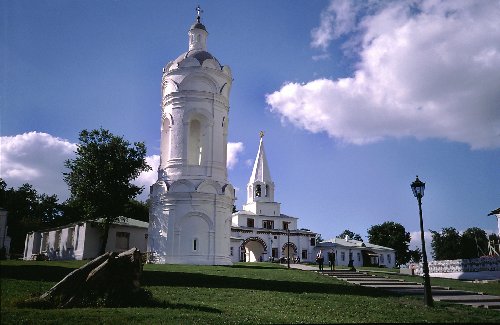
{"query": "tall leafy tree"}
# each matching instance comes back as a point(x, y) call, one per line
point(137, 210)
point(351, 235)
point(100, 176)
point(473, 243)
point(27, 211)
point(446, 245)
point(392, 234)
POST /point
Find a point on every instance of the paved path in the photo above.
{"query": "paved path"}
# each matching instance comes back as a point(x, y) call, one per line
point(403, 287)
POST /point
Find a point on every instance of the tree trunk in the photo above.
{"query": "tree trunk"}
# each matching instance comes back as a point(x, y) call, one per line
point(110, 278)
point(107, 225)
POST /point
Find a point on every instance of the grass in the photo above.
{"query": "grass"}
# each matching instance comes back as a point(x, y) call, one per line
point(243, 293)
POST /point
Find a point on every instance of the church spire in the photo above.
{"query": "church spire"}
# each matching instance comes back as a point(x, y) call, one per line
point(260, 172)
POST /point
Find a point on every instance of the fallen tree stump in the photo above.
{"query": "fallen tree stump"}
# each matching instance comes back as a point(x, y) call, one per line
point(111, 279)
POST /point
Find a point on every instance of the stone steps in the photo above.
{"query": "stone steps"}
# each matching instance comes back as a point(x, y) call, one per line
point(403, 287)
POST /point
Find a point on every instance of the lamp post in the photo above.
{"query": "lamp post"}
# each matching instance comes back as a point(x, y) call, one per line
point(288, 243)
point(418, 188)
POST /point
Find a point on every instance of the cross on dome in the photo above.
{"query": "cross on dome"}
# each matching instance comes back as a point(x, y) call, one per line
point(198, 13)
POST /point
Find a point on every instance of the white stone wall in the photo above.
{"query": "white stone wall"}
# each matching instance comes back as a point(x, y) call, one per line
point(485, 263)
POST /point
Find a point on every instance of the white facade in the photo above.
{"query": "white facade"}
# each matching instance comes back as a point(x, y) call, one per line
point(82, 240)
point(361, 254)
point(497, 214)
point(192, 201)
point(4, 239)
point(260, 232)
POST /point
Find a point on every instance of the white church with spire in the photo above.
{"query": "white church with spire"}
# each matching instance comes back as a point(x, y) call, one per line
point(260, 232)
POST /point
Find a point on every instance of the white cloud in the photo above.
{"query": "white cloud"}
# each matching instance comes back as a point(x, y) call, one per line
point(233, 150)
point(337, 19)
point(416, 242)
point(428, 69)
point(38, 159)
point(148, 178)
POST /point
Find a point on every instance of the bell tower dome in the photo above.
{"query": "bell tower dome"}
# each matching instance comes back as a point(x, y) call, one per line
point(192, 201)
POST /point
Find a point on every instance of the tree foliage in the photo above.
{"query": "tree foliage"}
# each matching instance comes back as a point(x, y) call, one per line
point(351, 235)
point(446, 244)
point(474, 243)
point(449, 244)
point(393, 235)
point(100, 176)
point(27, 211)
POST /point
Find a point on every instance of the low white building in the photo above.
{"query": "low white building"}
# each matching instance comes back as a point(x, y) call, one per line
point(82, 240)
point(260, 232)
point(4, 239)
point(361, 253)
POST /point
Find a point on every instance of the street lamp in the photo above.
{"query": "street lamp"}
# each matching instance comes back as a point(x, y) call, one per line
point(288, 243)
point(418, 188)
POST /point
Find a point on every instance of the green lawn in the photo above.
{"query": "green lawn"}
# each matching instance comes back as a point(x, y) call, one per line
point(244, 293)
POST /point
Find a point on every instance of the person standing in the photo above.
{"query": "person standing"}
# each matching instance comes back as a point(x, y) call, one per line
point(320, 259)
point(331, 259)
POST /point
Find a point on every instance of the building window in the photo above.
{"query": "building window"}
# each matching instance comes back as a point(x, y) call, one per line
point(258, 190)
point(342, 256)
point(381, 258)
point(275, 252)
point(389, 258)
point(313, 241)
point(250, 222)
point(285, 225)
point(195, 143)
point(359, 257)
point(268, 224)
point(231, 250)
point(267, 190)
point(304, 254)
point(122, 240)
point(195, 244)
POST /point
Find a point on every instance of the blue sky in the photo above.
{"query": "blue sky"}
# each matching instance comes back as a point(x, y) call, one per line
point(355, 98)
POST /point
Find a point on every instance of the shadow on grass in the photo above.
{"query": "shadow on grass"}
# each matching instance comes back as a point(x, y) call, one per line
point(35, 272)
point(140, 299)
point(184, 279)
point(253, 266)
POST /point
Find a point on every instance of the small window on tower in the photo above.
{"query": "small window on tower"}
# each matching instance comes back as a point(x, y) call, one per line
point(195, 245)
point(250, 222)
point(258, 190)
point(267, 190)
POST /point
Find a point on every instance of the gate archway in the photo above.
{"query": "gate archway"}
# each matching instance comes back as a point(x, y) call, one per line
point(253, 249)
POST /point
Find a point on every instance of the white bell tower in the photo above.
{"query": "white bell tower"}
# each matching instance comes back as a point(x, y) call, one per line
point(192, 201)
point(260, 188)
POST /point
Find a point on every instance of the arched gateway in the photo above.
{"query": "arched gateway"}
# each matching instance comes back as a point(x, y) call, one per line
point(253, 249)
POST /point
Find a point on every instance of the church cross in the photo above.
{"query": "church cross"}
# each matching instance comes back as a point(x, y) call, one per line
point(198, 13)
point(261, 133)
